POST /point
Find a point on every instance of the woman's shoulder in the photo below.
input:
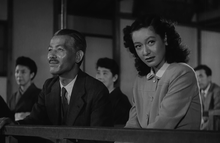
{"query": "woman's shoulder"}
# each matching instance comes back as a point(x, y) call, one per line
point(177, 70)
point(180, 67)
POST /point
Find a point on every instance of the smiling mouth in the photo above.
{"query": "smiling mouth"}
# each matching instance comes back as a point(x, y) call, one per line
point(53, 62)
point(149, 59)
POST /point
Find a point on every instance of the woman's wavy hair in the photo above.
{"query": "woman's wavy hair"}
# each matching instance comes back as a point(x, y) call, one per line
point(175, 51)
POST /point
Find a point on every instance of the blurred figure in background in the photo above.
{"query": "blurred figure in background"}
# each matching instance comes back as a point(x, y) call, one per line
point(22, 101)
point(210, 95)
point(108, 73)
point(4, 112)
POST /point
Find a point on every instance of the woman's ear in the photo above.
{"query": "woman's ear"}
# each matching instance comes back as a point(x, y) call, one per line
point(165, 40)
point(79, 56)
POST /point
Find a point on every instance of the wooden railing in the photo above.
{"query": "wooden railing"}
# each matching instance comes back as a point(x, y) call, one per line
point(61, 134)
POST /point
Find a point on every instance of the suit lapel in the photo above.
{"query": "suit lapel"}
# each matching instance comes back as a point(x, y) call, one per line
point(76, 100)
point(53, 99)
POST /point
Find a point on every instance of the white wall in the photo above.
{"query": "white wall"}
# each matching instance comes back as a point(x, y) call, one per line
point(32, 31)
point(189, 39)
point(210, 53)
point(97, 46)
point(3, 10)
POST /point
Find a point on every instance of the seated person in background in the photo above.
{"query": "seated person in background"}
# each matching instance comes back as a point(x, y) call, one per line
point(210, 94)
point(22, 101)
point(165, 92)
point(108, 73)
point(4, 112)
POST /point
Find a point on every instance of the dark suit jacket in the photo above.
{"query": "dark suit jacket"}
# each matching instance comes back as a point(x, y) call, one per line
point(212, 100)
point(89, 104)
point(26, 101)
point(4, 112)
point(4, 109)
point(121, 107)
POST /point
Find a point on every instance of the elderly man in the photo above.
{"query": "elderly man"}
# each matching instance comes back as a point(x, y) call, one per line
point(71, 97)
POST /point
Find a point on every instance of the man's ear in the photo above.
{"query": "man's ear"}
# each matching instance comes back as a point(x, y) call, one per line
point(32, 75)
point(79, 56)
point(115, 78)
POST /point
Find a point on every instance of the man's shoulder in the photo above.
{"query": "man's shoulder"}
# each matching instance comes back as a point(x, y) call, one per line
point(89, 80)
point(215, 87)
point(50, 81)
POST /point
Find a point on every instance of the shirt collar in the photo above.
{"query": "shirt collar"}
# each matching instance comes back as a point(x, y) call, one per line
point(159, 73)
point(207, 89)
point(69, 87)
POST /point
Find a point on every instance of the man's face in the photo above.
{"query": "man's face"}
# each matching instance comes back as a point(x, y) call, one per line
point(106, 77)
point(203, 79)
point(61, 55)
point(23, 75)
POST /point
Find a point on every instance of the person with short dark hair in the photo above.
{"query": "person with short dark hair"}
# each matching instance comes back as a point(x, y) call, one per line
point(210, 94)
point(165, 92)
point(22, 101)
point(107, 71)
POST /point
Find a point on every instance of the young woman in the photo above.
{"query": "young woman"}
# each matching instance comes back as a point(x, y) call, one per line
point(165, 92)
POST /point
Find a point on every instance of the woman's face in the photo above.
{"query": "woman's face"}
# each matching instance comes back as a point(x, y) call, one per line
point(150, 47)
point(23, 75)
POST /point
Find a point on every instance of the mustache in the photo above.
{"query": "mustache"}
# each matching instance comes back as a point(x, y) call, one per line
point(53, 60)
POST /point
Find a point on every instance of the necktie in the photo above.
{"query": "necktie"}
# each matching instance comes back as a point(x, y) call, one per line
point(64, 102)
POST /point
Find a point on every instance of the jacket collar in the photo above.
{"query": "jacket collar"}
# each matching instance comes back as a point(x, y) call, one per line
point(159, 73)
point(76, 100)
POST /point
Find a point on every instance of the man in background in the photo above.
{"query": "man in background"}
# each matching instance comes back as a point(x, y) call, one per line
point(210, 95)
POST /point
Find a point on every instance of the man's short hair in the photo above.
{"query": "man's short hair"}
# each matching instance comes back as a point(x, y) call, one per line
point(28, 62)
point(207, 70)
point(79, 39)
point(108, 64)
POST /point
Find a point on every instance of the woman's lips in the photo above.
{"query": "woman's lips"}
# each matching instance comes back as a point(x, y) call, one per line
point(149, 59)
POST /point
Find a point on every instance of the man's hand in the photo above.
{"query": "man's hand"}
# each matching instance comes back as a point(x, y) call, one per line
point(21, 115)
point(6, 121)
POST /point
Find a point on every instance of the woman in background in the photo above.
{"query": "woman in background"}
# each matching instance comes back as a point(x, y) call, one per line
point(165, 92)
point(22, 101)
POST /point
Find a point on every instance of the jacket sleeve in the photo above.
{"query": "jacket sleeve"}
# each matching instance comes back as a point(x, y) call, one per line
point(133, 120)
point(101, 114)
point(217, 98)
